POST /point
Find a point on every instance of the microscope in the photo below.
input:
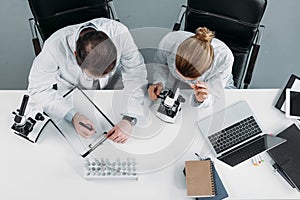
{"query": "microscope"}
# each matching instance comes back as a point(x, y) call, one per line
point(170, 103)
point(29, 126)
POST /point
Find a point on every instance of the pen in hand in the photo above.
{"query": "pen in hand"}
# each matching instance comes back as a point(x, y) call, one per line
point(98, 141)
point(88, 127)
point(87, 130)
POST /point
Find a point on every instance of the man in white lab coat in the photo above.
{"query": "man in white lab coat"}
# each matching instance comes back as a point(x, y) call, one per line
point(89, 55)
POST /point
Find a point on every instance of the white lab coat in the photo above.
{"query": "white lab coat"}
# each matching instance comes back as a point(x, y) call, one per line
point(56, 64)
point(218, 76)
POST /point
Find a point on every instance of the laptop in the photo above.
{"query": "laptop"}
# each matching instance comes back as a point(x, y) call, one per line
point(234, 134)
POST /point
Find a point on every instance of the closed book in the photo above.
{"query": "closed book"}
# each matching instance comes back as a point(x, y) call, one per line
point(199, 178)
point(220, 190)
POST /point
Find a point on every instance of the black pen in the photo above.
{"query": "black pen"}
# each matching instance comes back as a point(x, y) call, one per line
point(202, 158)
point(198, 156)
point(86, 126)
point(283, 174)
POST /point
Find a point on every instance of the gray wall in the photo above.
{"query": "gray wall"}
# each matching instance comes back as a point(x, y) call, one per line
point(280, 51)
point(278, 57)
point(16, 52)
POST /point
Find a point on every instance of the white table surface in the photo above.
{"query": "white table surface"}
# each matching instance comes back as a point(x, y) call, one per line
point(49, 169)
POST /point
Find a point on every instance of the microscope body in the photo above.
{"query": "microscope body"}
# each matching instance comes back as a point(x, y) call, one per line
point(29, 126)
point(170, 104)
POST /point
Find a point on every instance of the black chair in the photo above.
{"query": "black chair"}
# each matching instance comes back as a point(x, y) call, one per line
point(51, 15)
point(235, 22)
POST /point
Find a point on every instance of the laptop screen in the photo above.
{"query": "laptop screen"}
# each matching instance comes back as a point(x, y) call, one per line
point(250, 149)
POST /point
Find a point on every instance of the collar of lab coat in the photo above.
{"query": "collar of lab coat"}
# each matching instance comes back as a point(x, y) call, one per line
point(75, 36)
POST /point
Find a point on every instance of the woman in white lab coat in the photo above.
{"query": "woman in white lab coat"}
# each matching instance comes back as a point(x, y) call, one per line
point(200, 60)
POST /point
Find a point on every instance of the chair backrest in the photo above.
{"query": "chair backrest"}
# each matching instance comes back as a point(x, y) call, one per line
point(235, 22)
point(51, 15)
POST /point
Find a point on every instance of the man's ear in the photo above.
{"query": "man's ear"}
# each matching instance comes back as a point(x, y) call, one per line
point(75, 54)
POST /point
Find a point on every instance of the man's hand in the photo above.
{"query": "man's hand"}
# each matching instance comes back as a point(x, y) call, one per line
point(154, 90)
point(200, 90)
point(121, 132)
point(80, 129)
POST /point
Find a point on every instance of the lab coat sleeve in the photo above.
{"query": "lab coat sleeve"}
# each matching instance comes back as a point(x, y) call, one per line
point(215, 89)
point(42, 76)
point(134, 76)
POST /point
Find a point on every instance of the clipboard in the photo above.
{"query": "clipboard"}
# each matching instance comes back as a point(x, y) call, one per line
point(293, 83)
point(83, 104)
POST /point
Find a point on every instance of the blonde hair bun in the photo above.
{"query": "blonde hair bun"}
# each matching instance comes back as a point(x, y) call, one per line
point(204, 34)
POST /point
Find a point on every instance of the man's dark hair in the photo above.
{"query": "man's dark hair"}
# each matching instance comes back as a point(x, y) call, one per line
point(96, 52)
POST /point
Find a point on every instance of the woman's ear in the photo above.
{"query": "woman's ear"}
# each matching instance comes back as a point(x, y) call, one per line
point(75, 53)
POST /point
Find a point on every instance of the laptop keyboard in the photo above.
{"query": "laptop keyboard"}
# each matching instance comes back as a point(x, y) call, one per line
point(234, 134)
point(235, 157)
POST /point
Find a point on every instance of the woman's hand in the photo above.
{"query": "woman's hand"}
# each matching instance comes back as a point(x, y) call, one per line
point(201, 91)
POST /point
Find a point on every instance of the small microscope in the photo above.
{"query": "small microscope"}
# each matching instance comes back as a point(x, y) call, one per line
point(170, 103)
point(29, 126)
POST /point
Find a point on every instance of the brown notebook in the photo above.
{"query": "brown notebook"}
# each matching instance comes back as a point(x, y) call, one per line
point(199, 178)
